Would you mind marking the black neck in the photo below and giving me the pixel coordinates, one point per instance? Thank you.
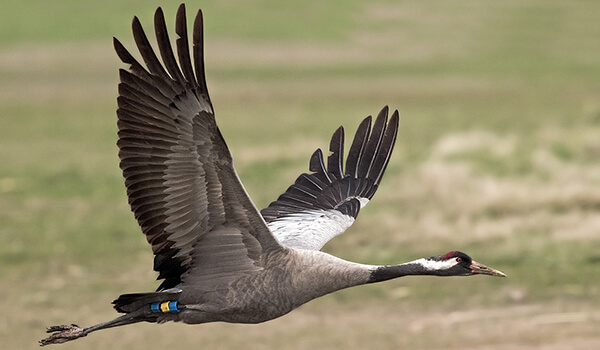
(388, 272)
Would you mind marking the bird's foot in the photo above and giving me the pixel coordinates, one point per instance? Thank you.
(63, 333)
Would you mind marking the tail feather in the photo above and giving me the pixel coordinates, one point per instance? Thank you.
(127, 303)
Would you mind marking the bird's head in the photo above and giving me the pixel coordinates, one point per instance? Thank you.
(457, 263)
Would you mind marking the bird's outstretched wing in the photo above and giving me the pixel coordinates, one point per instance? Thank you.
(180, 179)
(324, 203)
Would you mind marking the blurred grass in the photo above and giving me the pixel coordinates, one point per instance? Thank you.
(497, 156)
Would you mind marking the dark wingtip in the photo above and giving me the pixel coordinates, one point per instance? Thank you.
(385, 110)
(135, 21)
(335, 161)
(316, 161)
(180, 15)
(395, 117)
(383, 114)
(122, 52)
(159, 14)
(358, 143)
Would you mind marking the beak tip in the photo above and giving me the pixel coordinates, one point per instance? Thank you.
(478, 268)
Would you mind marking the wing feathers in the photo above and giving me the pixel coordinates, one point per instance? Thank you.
(330, 193)
(385, 149)
(335, 160)
(182, 187)
(358, 145)
(141, 40)
(183, 50)
(179, 174)
(164, 45)
(365, 164)
(127, 58)
(198, 45)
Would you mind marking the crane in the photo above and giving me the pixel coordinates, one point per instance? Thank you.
(218, 256)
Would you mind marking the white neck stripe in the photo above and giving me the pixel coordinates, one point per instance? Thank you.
(435, 265)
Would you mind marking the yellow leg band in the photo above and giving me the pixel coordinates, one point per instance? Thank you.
(164, 307)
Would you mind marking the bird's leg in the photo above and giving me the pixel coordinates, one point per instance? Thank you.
(64, 333)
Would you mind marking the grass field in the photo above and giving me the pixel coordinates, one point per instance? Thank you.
(498, 156)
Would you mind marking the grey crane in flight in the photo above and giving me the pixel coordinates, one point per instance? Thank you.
(219, 258)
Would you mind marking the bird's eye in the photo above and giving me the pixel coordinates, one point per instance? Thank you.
(458, 260)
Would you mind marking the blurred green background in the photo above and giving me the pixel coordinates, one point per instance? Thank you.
(498, 156)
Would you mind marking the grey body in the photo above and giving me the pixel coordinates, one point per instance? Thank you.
(290, 278)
